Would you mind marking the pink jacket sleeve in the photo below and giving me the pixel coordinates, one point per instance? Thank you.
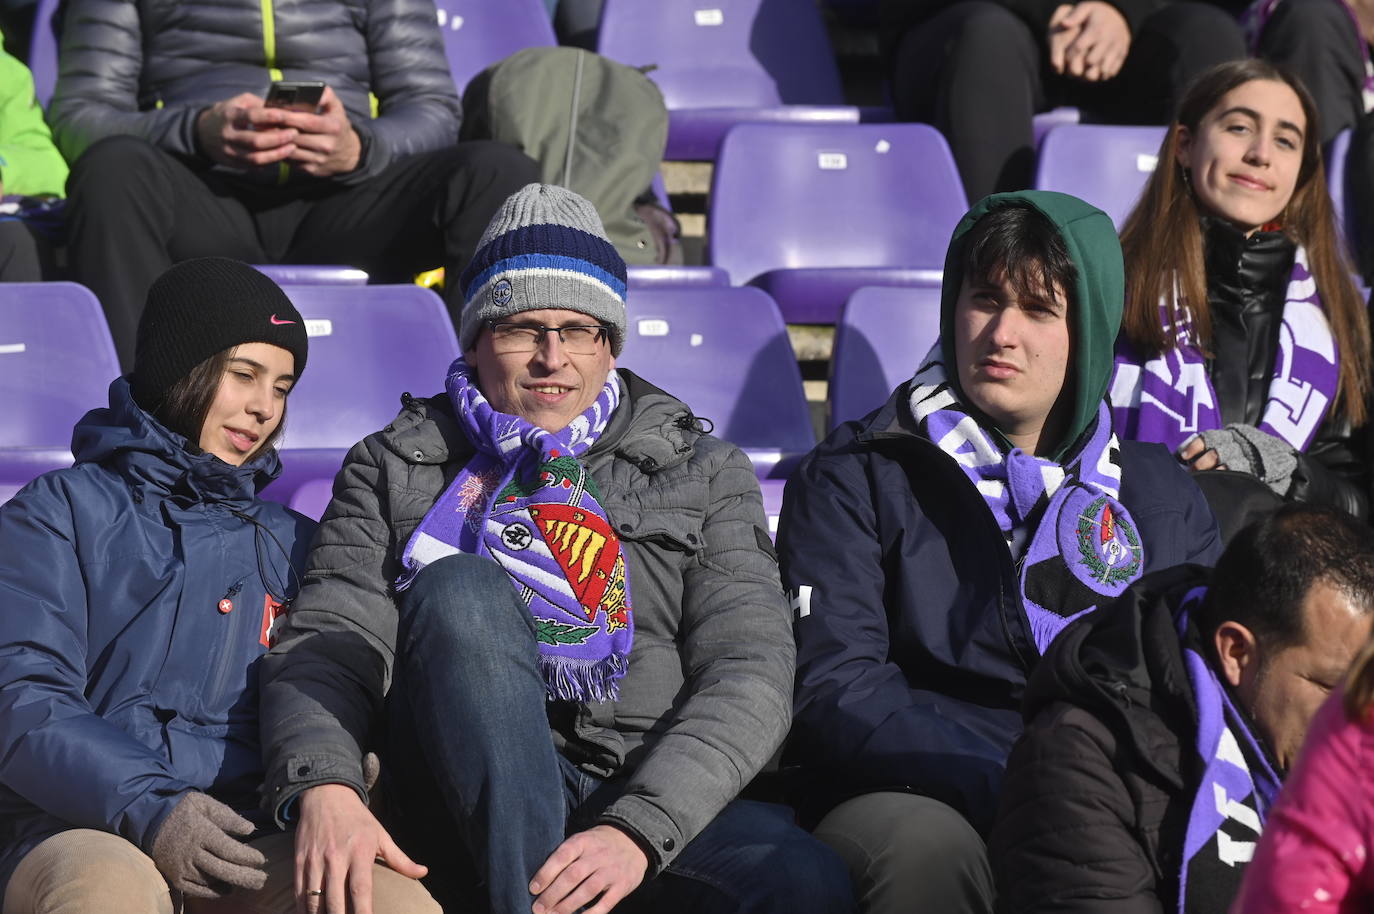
(1314, 856)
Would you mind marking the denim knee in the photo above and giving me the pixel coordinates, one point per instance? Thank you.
(467, 602)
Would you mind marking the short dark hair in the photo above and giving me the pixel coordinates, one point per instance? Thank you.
(1020, 242)
(1266, 571)
(187, 403)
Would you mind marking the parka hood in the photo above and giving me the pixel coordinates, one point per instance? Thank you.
(150, 455)
(1097, 302)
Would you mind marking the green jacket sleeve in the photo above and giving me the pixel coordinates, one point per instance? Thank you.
(29, 162)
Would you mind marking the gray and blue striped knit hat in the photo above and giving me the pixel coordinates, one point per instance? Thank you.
(545, 248)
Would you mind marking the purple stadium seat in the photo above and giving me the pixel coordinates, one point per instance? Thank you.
(1106, 166)
(311, 274)
(478, 33)
(368, 345)
(882, 336)
(1337, 151)
(649, 277)
(724, 351)
(809, 214)
(56, 362)
(43, 51)
(1043, 122)
(728, 62)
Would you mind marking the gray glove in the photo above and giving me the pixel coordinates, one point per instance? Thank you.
(197, 852)
(1248, 450)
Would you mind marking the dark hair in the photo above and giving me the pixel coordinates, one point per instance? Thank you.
(187, 403)
(1162, 239)
(1020, 242)
(1265, 573)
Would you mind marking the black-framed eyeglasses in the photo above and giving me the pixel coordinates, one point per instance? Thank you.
(577, 339)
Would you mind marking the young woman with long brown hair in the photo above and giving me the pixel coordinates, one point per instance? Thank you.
(1245, 344)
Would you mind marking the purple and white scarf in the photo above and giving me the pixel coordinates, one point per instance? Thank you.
(1170, 398)
(1238, 787)
(1079, 546)
(1257, 16)
(527, 502)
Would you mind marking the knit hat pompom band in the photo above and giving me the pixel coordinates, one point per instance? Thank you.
(545, 248)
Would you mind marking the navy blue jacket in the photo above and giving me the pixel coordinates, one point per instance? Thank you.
(912, 645)
(122, 684)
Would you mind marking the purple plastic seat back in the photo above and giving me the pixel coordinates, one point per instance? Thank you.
(368, 345)
(883, 335)
(43, 51)
(652, 275)
(1337, 151)
(478, 33)
(725, 53)
(1106, 166)
(725, 353)
(56, 363)
(859, 195)
(312, 274)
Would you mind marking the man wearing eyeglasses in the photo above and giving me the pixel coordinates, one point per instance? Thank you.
(564, 589)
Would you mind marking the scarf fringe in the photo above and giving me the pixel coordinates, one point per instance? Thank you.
(570, 679)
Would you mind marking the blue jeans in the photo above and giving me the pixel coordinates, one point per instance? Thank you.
(481, 796)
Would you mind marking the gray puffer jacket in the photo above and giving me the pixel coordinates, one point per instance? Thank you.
(708, 694)
(148, 67)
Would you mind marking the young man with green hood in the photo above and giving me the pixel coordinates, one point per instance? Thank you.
(934, 549)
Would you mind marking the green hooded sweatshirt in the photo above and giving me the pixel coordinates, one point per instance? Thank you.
(29, 162)
(1094, 309)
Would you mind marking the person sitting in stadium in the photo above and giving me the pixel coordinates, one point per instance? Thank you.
(1314, 854)
(140, 589)
(937, 546)
(979, 69)
(162, 110)
(1159, 730)
(1245, 345)
(564, 588)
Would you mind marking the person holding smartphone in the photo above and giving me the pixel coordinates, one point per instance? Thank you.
(161, 108)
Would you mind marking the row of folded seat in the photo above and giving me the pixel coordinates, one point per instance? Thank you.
(811, 213)
(722, 349)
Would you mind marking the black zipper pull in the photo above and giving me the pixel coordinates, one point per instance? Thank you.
(226, 604)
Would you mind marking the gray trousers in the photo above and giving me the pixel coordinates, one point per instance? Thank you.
(909, 854)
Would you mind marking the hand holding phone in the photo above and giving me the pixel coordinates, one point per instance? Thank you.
(228, 132)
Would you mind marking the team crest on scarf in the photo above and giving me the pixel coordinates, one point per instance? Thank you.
(527, 502)
(1108, 545)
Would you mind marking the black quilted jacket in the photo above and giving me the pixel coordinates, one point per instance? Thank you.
(148, 67)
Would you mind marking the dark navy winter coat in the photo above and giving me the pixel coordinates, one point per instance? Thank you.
(122, 683)
(912, 645)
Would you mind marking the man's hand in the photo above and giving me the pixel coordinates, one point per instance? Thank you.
(337, 842)
(1088, 40)
(326, 143)
(602, 860)
(236, 133)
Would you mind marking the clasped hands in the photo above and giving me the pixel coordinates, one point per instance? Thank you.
(1088, 40)
(242, 132)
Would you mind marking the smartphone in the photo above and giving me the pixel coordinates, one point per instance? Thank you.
(296, 96)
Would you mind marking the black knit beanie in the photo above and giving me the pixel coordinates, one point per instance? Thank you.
(201, 307)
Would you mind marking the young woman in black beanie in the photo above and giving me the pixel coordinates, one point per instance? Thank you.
(137, 590)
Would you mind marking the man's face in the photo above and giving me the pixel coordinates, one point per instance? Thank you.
(1011, 352)
(1283, 690)
(547, 386)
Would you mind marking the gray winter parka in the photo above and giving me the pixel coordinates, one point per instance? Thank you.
(148, 67)
(708, 694)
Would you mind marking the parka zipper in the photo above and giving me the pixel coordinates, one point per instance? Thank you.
(269, 51)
